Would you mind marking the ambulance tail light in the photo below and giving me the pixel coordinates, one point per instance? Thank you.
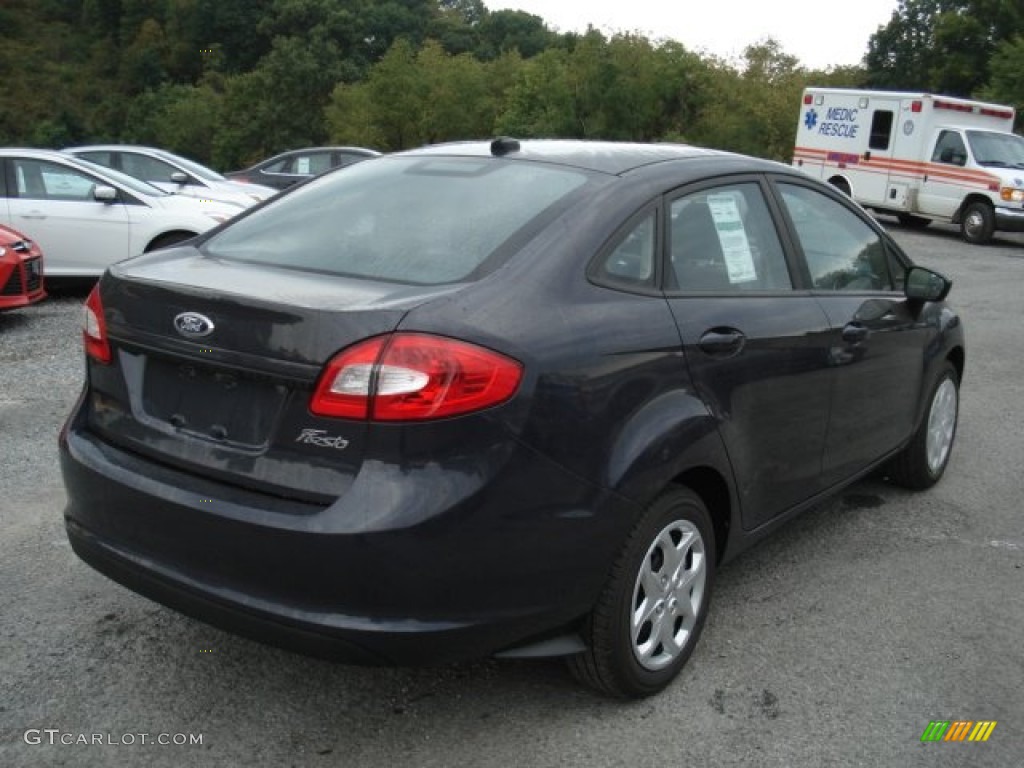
(808, 99)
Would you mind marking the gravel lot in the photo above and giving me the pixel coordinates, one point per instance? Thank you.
(834, 643)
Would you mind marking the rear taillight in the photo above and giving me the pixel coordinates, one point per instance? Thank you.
(414, 377)
(94, 328)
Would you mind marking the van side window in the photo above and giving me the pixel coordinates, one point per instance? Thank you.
(881, 129)
(950, 149)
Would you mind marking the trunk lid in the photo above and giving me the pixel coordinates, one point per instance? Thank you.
(225, 392)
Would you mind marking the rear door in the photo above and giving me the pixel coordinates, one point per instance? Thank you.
(875, 344)
(757, 350)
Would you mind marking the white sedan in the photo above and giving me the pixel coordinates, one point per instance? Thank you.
(85, 217)
(173, 173)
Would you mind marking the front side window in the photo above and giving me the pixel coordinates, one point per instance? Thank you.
(723, 240)
(147, 168)
(842, 251)
(950, 149)
(418, 220)
(42, 180)
(278, 166)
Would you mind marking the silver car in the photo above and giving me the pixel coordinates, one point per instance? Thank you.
(173, 173)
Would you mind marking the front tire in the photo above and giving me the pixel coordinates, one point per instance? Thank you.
(922, 463)
(978, 223)
(649, 617)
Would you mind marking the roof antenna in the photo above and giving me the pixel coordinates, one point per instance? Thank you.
(503, 145)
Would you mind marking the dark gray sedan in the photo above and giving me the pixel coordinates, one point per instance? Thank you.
(500, 398)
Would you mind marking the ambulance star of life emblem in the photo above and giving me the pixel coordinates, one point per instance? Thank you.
(811, 119)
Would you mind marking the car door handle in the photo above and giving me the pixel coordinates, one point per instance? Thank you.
(721, 342)
(33, 215)
(855, 333)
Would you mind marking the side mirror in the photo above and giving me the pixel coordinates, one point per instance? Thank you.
(179, 177)
(925, 285)
(104, 194)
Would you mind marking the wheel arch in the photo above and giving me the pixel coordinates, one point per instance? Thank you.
(958, 358)
(675, 441)
(713, 489)
(841, 183)
(169, 237)
(974, 197)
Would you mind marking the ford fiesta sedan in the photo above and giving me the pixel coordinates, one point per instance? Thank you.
(501, 398)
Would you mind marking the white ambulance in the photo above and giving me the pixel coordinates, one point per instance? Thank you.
(921, 157)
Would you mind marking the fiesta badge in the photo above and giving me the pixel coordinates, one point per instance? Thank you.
(193, 325)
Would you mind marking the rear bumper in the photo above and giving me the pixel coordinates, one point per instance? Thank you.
(463, 578)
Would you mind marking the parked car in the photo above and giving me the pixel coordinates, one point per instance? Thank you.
(21, 270)
(281, 171)
(500, 398)
(173, 173)
(85, 217)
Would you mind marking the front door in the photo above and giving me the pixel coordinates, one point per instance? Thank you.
(874, 340)
(53, 204)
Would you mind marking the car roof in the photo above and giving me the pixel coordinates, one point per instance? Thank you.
(610, 157)
(358, 150)
(116, 148)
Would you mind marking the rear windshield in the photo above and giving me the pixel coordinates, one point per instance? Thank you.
(426, 221)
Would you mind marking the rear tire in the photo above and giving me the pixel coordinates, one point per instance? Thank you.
(649, 617)
(921, 464)
(978, 223)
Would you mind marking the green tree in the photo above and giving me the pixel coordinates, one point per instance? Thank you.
(941, 45)
(540, 103)
(1007, 83)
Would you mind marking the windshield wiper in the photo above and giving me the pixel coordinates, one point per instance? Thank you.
(996, 163)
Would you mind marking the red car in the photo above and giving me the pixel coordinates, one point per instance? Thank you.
(21, 270)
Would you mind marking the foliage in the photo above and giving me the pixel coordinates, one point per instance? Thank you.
(231, 81)
(944, 46)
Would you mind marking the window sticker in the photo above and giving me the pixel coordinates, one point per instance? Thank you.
(303, 165)
(739, 259)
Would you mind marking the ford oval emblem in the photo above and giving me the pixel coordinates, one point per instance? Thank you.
(193, 325)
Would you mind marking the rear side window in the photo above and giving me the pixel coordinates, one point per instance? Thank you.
(842, 252)
(417, 220)
(881, 129)
(630, 263)
(723, 240)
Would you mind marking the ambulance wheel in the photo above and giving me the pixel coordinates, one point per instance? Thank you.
(978, 222)
(910, 221)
